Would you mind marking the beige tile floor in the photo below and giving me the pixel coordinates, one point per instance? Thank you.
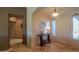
(56, 47)
(19, 48)
(52, 47)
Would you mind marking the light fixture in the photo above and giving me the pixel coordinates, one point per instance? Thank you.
(55, 13)
(13, 19)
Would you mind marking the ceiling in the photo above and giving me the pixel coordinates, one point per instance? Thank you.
(47, 11)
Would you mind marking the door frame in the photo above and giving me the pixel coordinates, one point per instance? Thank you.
(14, 15)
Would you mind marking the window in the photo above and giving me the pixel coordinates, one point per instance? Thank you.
(54, 26)
(47, 28)
(76, 27)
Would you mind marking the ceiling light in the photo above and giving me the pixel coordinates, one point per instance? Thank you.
(55, 13)
(12, 19)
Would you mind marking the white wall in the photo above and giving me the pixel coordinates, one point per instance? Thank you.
(30, 11)
(65, 27)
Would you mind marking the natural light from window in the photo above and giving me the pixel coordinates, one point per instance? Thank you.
(47, 28)
(76, 27)
(54, 27)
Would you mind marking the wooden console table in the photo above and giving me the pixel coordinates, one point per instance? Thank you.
(42, 40)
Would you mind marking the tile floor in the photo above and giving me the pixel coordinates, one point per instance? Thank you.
(56, 47)
(52, 47)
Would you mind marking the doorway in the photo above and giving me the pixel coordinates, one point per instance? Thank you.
(15, 30)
